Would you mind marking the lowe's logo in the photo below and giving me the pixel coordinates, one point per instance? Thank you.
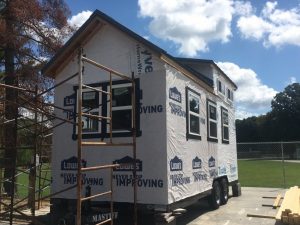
(71, 163)
(197, 163)
(174, 94)
(69, 100)
(127, 164)
(211, 162)
(175, 164)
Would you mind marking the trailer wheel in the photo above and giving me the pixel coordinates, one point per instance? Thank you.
(215, 197)
(224, 191)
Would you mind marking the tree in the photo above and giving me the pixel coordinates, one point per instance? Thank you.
(280, 124)
(30, 32)
(285, 112)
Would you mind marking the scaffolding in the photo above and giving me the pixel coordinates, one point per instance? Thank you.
(41, 127)
(99, 144)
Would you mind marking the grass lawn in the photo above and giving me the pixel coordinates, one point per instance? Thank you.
(267, 173)
(22, 180)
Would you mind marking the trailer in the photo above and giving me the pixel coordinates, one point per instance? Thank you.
(184, 126)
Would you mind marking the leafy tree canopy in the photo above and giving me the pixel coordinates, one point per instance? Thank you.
(280, 124)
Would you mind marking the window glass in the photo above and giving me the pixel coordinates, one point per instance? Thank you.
(89, 124)
(212, 120)
(121, 96)
(90, 99)
(230, 94)
(121, 108)
(212, 112)
(194, 124)
(221, 87)
(225, 126)
(90, 105)
(194, 103)
(193, 114)
(212, 129)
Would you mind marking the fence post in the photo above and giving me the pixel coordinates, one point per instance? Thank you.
(283, 166)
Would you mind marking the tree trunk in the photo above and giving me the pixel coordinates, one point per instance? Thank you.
(11, 112)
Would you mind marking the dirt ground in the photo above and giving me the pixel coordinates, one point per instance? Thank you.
(236, 210)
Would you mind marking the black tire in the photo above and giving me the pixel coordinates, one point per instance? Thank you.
(236, 189)
(224, 191)
(215, 197)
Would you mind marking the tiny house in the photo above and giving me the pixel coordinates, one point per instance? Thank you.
(185, 122)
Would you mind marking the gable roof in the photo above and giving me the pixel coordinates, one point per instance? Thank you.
(206, 61)
(89, 28)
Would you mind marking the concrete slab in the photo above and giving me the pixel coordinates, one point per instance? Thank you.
(236, 210)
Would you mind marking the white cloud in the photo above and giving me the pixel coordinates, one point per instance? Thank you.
(242, 113)
(252, 97)
(243, 8)
(291, 80)
(191, 24)
(77, 20)
(275, 27)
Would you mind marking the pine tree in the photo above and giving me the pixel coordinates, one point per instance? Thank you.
(31, 31)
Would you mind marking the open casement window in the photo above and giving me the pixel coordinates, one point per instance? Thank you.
(121, 108)
(221, 87)
(225, 125)
(193, 114)
(212, 128)
(90, 104)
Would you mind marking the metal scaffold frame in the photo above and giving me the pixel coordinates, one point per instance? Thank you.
(41, 117)
(99, 144)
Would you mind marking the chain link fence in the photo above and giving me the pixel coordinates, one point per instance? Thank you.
(269, 164)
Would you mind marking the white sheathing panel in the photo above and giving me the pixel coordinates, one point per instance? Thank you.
(186, 179)
(115, 49)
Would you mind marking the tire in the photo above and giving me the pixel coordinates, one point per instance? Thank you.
(215, 197)
(236, 189)
(224, 191)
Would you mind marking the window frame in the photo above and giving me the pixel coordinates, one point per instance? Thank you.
(223, 125)
(103, 111)
(118, 108)
(94, 110)
(229, 95)
(222, 91)
(213, 104)
(189, 134)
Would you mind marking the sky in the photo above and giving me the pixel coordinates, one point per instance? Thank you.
(256, 43)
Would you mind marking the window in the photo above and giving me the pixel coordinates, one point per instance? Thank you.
(212, 131)
(229, 95)
(97, 103)
(90, 104)
(221, 87)
(193, 114)
(225, 125)
(121, 108)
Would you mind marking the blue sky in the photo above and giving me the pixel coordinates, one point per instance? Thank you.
(257, 43)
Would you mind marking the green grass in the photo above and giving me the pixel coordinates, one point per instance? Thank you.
(22, 180)
(266, 173)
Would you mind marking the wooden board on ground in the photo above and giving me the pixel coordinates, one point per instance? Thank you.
(289, 211)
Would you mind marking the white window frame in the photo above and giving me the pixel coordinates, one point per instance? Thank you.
(196, 95)
(223, 110)
(223, 90)
(209, 119)
(118, 108)
(95, 110)
(229, 95)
